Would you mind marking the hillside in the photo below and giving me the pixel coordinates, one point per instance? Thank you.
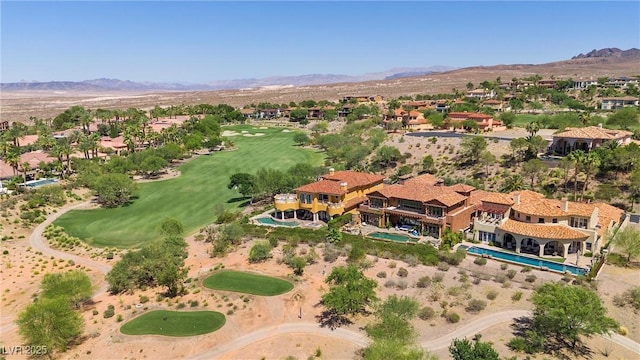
(22, 104)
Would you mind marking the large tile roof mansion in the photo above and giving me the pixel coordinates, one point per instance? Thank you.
(524, 221)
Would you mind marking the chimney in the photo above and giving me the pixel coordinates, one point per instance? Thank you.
(516, 198)
(343, 186)
(600, 125)
(332, 171)
(564, 205)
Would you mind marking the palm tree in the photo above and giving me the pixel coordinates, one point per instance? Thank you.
(514, 182)
(16, 131)
(13, 159)
(25, 167)
(590, 164)
(585, 117)
(46, 141)
(533, 127)
(576, 157)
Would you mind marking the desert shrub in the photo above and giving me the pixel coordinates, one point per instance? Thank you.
(438, 277)
(95, 312)
(119, 318)
(455, 291)
(525, 269)
(630, 297)
(389, 283)
(504, 266)
(426, 313)
(443, 266)
(500, 278)
(480, 261)
(392, 265)
(530, 278)
(516, 296)
(181, 306)
(511, 274)
(330, 253)
(402, 272)
(476, 281)
(475, 306)
(401, 285)
(617, 260)
(532, 343)
(452, 317)
(411, 260)
(622, 330)
(110, 312)
(452, 258)
(381, 274)
(273, 241)
(423, 282)
(492, 294)
(143, 299)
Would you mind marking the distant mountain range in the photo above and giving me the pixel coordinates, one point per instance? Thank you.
(610, 52)
(302, 80)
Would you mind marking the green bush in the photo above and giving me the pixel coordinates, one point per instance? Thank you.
(340, 221)
(516, 296)
(452, 317)
(260, 252)
(110, 312)
(402, 272)
(530, 278)
(144, 299)
(443, 266)
(475, 306)
(452, 258)
(381, 274)
(511, 274)
(426, 313)
(480, 261)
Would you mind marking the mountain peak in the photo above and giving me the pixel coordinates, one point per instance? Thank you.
(610, 52)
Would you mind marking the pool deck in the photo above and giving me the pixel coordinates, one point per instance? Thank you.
(583, 262)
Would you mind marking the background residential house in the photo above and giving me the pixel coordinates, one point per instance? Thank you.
(615, 103)
(587, 138)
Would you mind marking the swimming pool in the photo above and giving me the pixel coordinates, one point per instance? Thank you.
(525, 260)
(269, 221)
(392, 237)
(41, 182)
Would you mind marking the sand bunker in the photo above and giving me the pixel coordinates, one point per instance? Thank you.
(263, 127)
(229, 133)
(286, 130)
(244, 131)
(256, 134)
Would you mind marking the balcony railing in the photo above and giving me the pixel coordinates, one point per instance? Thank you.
(286, 198)
(335, 205)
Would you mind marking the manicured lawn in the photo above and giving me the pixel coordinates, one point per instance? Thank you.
(191, 197)
(523, 119)
(174, 323)
(247, 283)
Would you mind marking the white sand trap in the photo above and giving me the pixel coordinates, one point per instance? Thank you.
(286, 130)
(229, 133)
(249, 135)
(258, 134)
(263, 127)
(244, 131)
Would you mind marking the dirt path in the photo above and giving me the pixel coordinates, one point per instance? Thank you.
(38, 243)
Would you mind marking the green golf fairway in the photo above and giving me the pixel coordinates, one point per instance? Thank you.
(190, 197)
(247, 283)
(174, 323)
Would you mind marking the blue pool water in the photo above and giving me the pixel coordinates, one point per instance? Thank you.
(526, 260)
(271, 222)
(37, 183)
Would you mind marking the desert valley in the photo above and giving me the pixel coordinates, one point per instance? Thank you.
(478, 213)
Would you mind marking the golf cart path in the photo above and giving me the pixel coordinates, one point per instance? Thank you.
(38, 243)
(361, 339)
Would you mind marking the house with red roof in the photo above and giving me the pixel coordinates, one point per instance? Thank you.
(587, 139)
(485, 122)
(336, 193)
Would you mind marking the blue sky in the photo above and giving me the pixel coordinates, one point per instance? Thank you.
(206, 41)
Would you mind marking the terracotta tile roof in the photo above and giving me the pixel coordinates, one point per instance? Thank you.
(423, 180)
(592, 132)
(422, 194)
(607, 214)
(354, 178)
(114, 143)
(627, 98)
(468, 115)
(247, 111)
(323, 186)
(497, 198)
(28, 140)
(461, 188)
(354, 202)
(533, 203)
(543, 231)
(493, 102)
(476, 197)
(33, 158)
